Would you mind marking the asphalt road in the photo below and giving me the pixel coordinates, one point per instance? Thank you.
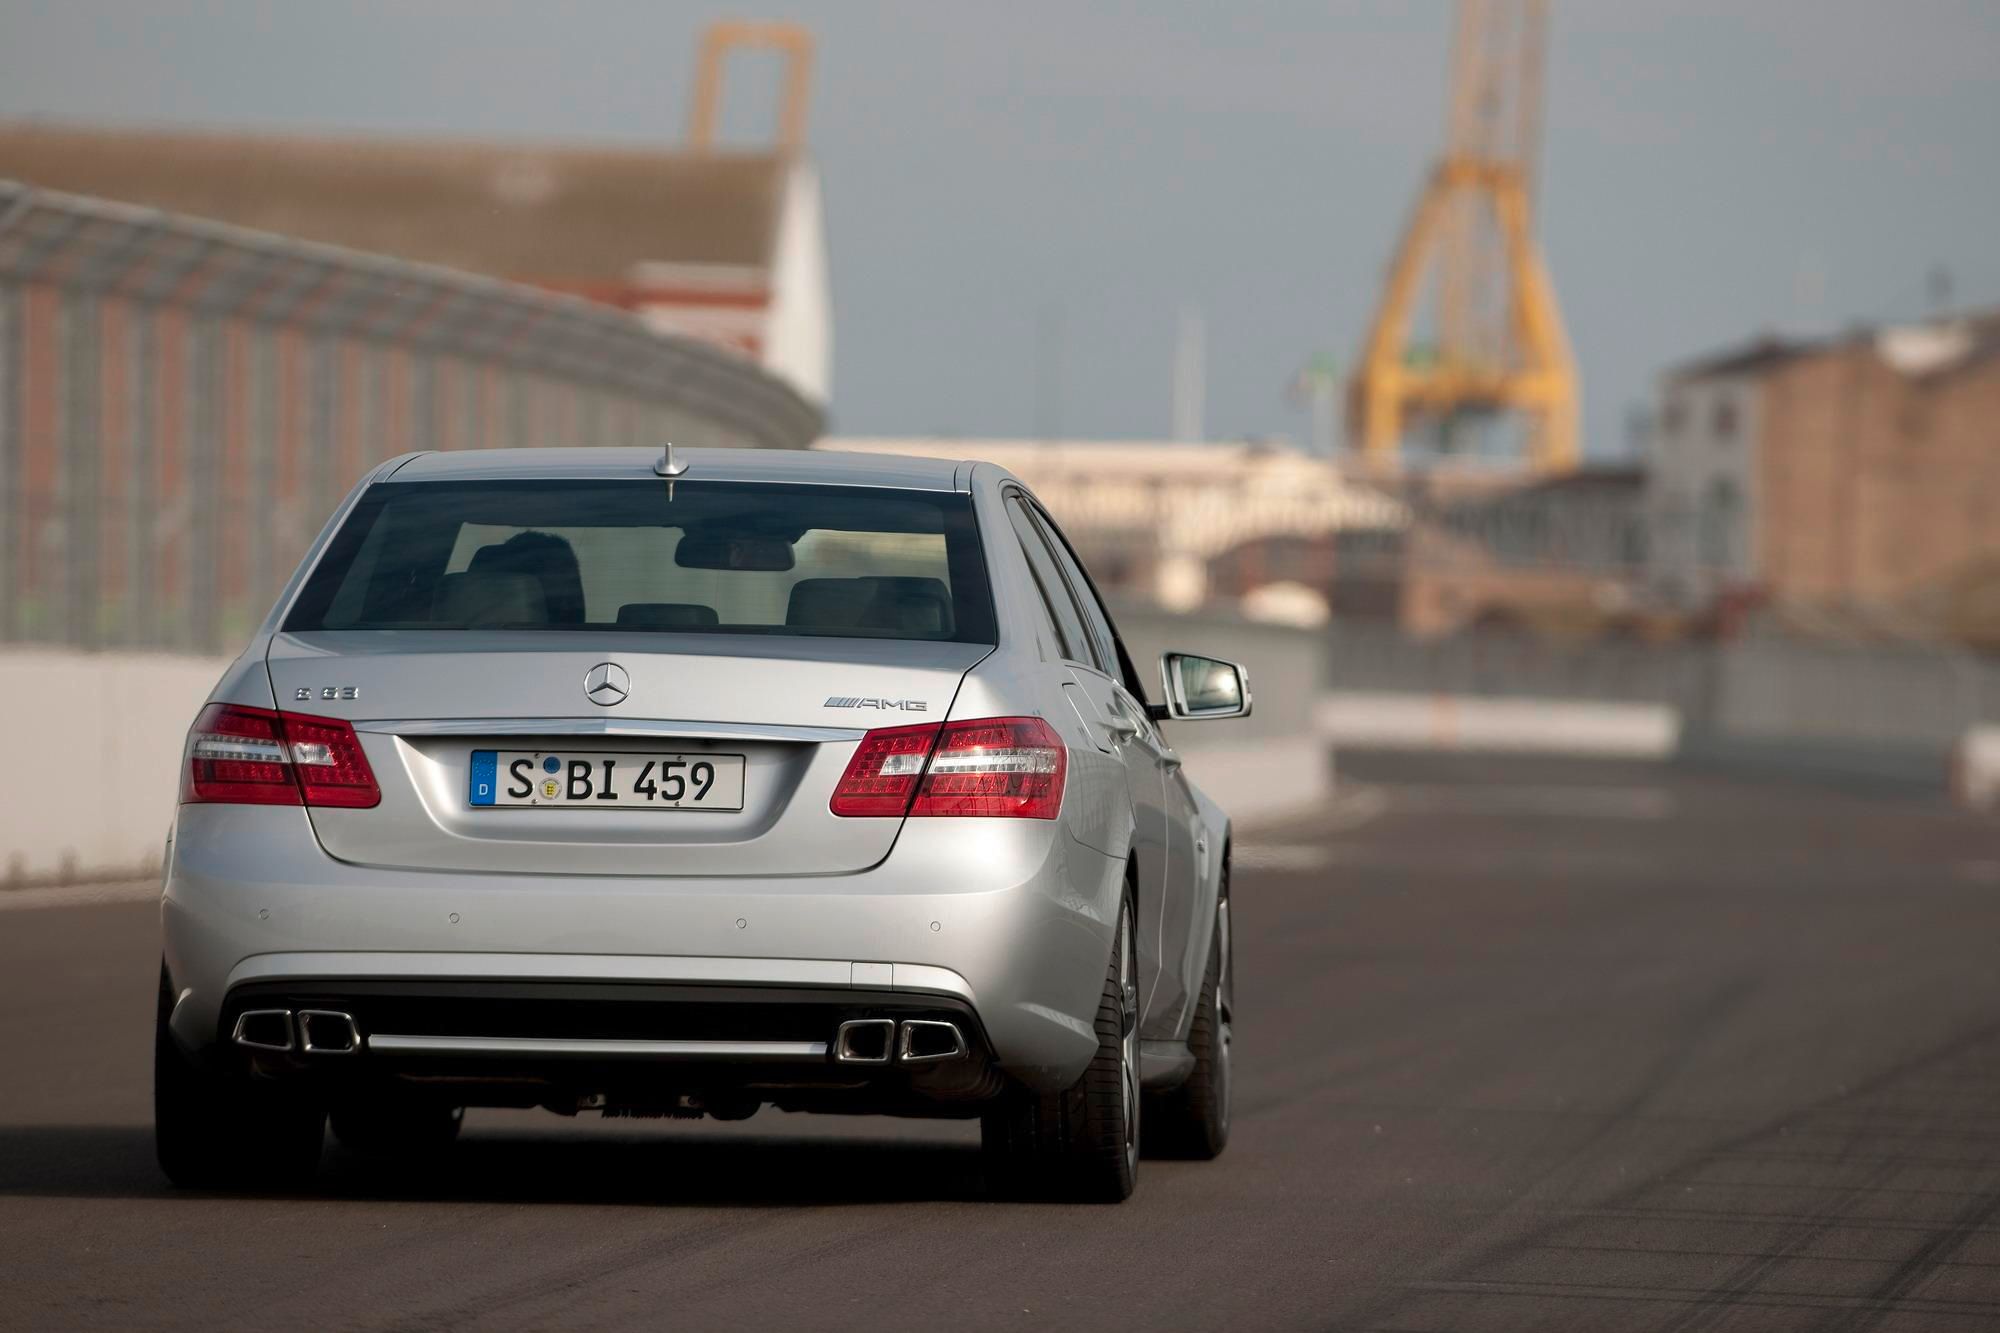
(1551, 1046)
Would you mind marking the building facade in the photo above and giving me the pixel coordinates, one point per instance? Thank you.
(1177, 523)
(1860, 474)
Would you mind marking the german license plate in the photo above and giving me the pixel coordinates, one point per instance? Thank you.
(606, 780)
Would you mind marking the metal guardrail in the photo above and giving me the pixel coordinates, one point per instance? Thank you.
(182, 402)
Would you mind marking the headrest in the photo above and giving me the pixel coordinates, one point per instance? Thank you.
(474, 598)
(667, 615)
(913, 606)
(549, 559)
(828, 603)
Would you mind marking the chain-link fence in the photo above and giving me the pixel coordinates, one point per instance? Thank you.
(182, 403)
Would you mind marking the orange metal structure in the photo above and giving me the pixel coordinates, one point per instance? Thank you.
(793, 41)
(1499, 340)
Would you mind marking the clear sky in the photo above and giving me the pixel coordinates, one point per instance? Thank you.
(1714, 168)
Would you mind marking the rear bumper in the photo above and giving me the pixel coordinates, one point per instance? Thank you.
(622, 1046)
(1008, 921)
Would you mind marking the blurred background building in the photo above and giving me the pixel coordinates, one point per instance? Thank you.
(1188, 526)
(1853, 483)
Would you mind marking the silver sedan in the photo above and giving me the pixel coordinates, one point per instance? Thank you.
(685, 784)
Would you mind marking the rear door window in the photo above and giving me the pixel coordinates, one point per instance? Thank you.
(1071, 637)
(622, 555)
(1094, 618)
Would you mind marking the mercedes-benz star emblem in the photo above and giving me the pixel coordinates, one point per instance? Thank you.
(606, 684)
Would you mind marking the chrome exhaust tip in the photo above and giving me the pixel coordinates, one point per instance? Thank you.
(328, 1032)
(926, 1040)
(865, 1041)
(263, 1029)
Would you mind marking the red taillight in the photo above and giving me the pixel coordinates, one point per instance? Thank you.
(995, 766)
(238, 756)
(254, 756)
(991, 767)
(883, 774)
(327, 760)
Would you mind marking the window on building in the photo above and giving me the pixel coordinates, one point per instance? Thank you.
(1721, 520)
(1673, 417)
(1722, 419)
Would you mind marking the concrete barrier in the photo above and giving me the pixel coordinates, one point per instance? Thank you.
(96, 740)
(1375, 720)
(1975, 769)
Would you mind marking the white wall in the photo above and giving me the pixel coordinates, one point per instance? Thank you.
(96, 744)
(798, 336)
(1379, 720)
(1976, 768)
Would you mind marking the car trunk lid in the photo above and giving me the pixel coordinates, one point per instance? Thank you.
(793, 707)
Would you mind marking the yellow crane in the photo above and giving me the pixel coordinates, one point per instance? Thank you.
(790, 40)
(1499, 345)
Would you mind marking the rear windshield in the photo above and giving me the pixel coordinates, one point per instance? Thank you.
(703, 558)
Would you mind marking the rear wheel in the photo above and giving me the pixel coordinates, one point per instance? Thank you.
(1192, 1120)
(223, 1130)
(1083, 1142)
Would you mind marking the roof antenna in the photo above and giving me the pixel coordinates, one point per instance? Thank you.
(670, 467)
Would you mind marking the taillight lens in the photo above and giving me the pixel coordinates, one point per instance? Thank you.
(988, 767)
(883, 774)
(995, 766)
(238, 756)
(327, 761)
(254, 756)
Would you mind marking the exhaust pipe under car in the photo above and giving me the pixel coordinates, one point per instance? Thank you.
(914, 1041)
(925, 1040)
(328, 1032)
(865, 1041)
(263, 1029)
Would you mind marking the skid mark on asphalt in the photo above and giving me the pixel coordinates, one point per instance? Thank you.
(1861, 1211)
(1551, 801)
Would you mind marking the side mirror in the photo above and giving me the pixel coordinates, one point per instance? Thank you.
(1203, 688)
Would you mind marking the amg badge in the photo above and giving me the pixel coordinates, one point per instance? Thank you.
(852, 701)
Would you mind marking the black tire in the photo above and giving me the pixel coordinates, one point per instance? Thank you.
(1081, 1143)
(1191, 1122)
(392, 1126)
(226, 1130)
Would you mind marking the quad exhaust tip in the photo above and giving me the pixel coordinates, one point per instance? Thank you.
(263, 1029)
(318, 1031)
(924, 1040)
(865, 1041)
(914, 1041)
(328, 1032)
